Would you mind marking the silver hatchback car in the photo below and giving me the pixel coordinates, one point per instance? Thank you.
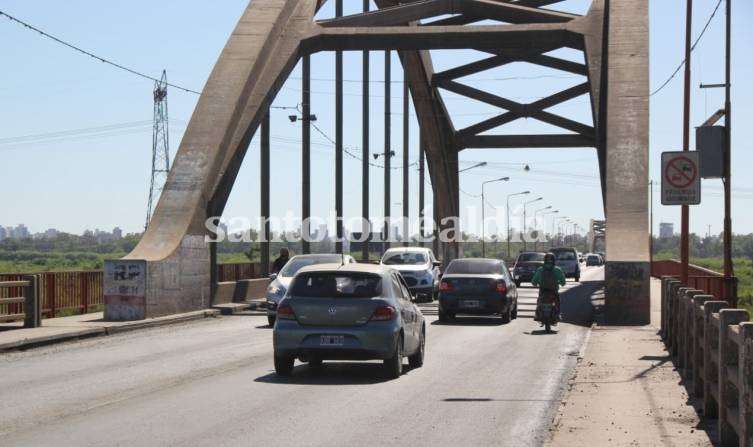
(348, 312)
(281, 281)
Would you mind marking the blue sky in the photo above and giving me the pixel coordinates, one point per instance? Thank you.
(75, 134)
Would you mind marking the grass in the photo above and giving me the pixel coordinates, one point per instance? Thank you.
(743, 271)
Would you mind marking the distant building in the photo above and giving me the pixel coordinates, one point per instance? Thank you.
(666, 230)
(21, 232)
(3, 233)
(117, 233)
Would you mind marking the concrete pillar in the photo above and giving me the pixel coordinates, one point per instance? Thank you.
(728, 356)
(710, 368)
(627, 270)
(698, 339)
(746, 384)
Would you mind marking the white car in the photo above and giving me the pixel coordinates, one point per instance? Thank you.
(418, 267)
(281, 281)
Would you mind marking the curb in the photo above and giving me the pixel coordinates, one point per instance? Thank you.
(570, 380)
(52, 339)
(76, 334)
(162, 321)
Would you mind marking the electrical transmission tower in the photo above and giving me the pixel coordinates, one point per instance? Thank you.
(160, 146)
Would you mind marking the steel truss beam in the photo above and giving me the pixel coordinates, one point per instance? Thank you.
(273, 35)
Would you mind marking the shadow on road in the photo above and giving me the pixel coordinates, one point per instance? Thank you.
(462, 320)
(542, 332)
(577, 305)
(333, 373)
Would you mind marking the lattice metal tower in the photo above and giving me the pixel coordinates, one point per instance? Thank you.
(160, 146)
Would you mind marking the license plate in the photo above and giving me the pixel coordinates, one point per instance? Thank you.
(331, 340)
(470, 303)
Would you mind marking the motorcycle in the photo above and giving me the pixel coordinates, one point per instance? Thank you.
(546, 311)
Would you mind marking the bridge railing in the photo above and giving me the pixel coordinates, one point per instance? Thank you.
(19, 300)
(712, 345)
(66, 293)
(713, 283)
(80, 292)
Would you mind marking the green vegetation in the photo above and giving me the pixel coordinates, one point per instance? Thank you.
(708, 253)
(743, 270)
(65, 252)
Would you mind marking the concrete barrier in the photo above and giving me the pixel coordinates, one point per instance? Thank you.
(713, 348)
(242, 290)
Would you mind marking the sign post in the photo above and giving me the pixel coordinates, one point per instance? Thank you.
(680, 179)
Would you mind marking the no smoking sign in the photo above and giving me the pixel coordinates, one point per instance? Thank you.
(680, 180)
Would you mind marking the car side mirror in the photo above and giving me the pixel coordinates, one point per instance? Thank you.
(436, 263)
(273, 276)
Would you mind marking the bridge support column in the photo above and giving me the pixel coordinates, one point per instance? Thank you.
(627, 270)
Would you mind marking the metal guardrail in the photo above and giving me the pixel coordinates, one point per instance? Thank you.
(20, 301)
(713, 348)
(67, 292)
(713, 283)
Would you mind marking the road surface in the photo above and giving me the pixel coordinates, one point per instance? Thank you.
(212, 383)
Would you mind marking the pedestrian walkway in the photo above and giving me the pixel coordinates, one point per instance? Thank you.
(626, 392)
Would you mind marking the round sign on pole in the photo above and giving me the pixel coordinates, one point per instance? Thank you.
(680, 183)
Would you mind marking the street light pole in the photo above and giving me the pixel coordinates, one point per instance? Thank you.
(477, 165)
(558, 228)
(549, 212)
(535, 243)
(508, 217)
(483, 215)
(525, 223)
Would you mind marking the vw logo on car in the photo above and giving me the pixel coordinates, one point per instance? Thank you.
(332, 311)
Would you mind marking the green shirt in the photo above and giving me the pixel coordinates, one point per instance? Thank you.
(558, 275)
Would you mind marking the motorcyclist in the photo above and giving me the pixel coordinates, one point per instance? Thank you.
(549, 277)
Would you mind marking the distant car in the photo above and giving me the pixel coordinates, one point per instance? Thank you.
(419, 268)
(526, 265)
(348, 312)
(477, 286)
(281, 281)
(566, 259)
(593, 260)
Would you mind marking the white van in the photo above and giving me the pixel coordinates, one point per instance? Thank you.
(566, 259)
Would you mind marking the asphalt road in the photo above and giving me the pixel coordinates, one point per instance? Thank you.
(212, 383)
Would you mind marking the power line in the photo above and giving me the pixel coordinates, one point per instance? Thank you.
(101, 59)
(691, 49)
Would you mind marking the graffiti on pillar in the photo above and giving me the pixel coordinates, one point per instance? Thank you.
(125, 290)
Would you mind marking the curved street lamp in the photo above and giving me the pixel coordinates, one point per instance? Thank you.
(535, 242)
(508, 217)
(483, 216)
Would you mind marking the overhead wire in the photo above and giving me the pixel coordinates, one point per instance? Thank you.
(713, 13)
(92, 55)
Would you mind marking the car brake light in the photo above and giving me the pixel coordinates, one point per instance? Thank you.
(285, 312)
(445, 286)
(383, 313)
(501, 287)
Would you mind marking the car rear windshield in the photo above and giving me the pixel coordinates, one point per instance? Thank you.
(531, 257)
(295, 264)
(564, 255)
(405, 258)
(336, 285)
(481, 267)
